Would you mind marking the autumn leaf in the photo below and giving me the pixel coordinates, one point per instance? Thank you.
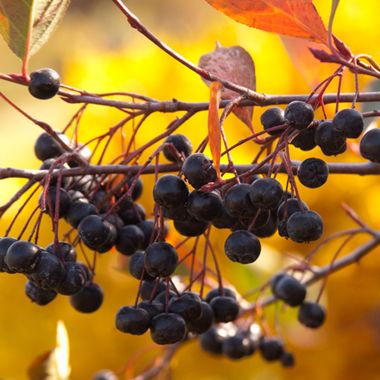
(26, 25)
(235, 65)
(296, 18)
(214, 133)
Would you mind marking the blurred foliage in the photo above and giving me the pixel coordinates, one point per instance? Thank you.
(95, 49)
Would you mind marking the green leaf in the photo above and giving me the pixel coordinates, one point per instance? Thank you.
(19, 17)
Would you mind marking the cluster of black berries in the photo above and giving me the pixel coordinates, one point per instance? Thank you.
(293, 293)
(51, 271)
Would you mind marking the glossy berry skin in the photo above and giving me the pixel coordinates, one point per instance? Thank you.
(226, 292)
(78, 211)
(272, 117)
(161, 259)
(131, 213)
(49, 271)
(313, 172)
(149, 289)
(51, 202)
(290, 290)
(299, 114)
(311, 315)
(204, 321)
(370, 145)
(225, 309)
(266, 193)
(95, 232)
(38, 295)
(22, 257)
(167, 328)
(44, 83)
(350, 122)
(152, 308)
(129, 240)
(268, 228)
(191, 227)
(242, 246)
(64, 251)
(285, 210)
(74, 280)
(170, 191)
(136, 266)
(47, 147)
(211, 341)
(181, 143)
(304, 226)
(237, 201)
(88, 299)
(188, 305)
(132, 320)
(198, 170)
(204, 206)
(5, 243)
(305, 140)
(271, 348)
(331, 141)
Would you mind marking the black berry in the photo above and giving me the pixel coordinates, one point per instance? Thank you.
(350, 122)
(181, 144)
(266, 193)
(225, 309)
(313, 172)
(132, 320)
(273, 117)
(331, 141)
(129, 240)
(88, 299)
(242, 246)
(170, 191)
(38, 295)
(44, 83)
(311, 315)
(299, 114)
(290, 290)
(167, 328)
(304, 226)
(370, 145)
(161, 259)
(22, 256)
(204, 206)
(198, 170)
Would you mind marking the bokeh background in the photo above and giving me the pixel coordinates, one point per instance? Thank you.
(95, 49)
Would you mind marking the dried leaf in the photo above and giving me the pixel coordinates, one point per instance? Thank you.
(342, 48)
(214, 133)
(296, 18)
(41, 17)
(54, 364)
(235, 65)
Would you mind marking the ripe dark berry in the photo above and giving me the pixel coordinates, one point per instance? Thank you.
(132, 320)
(49, 271)
(224, 220)
(299, 114)
(287, 360)
(95, 232)
(190, 227)
(38, 295)
(305, 140)
(311, 315)
(131, 213)
(138, 189)
(204, 321)
(211, 341)
(76, 276)
(225, 309)
(198, 170)
(149, 289)
(22, 256)
(129, 240)
(272, 117)
(5, 243)
(148, 228)
(305, 226)
(271, 348)
(136, 266)
(152, 308)
(331, 141)
(170, 191)
(64, 251)
(290, 290)
(350, 122)
(370, 145)
(88, 299)
(285, 210)
(168, 328)
(236, 347)
(237, 201)
(226, 292)
(78, 211)
(44, 83)
(46, 146)
(161, 259)
(181, 143)
(188, 305)
(242, 246)
(313, 172)
(267, 229)
(176, 213)
(204, 206)
(266, 193)
(165, 296)
(51, 202)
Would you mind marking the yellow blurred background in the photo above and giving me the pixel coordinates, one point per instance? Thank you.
(94, 49)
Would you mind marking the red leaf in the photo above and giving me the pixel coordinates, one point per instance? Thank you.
(214, 135)
(296, 18)
(235, 65)
(323, 55)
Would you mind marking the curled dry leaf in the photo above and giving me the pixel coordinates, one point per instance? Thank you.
(296, 18)
(235, 65)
